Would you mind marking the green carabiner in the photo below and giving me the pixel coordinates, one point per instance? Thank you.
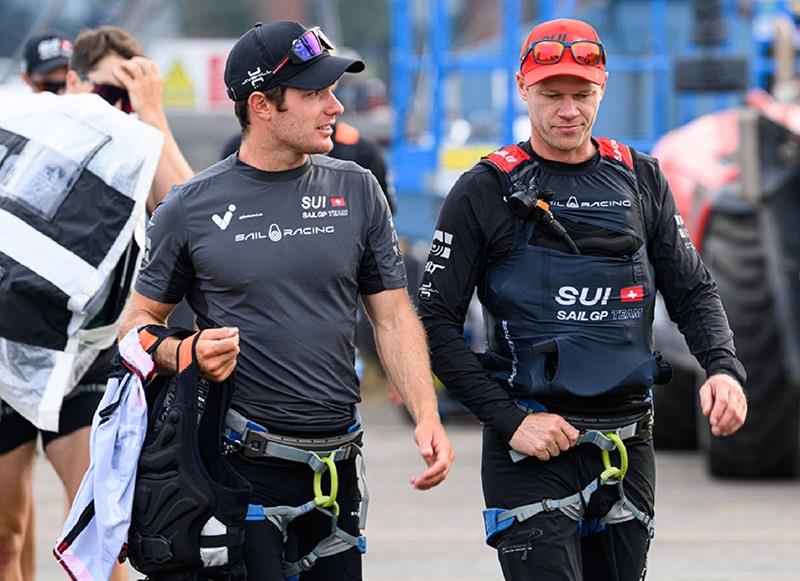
(327, 500)
(612, 471)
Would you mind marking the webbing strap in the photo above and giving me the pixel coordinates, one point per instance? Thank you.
(311, 459)
(337, 542)
(573, 505)
(624, 510)
(258, 441)
(570, 505)
(599, 438)
(239, 429)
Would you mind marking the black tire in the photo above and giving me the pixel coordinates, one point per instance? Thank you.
(768, 445)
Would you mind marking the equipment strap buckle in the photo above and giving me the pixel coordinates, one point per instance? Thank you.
(549, 505)
(307, 561)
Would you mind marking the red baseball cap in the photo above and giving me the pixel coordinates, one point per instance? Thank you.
(565, 30)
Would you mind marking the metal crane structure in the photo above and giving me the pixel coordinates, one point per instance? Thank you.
(669, 61)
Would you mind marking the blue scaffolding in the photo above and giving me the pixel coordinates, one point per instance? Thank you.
(642, 77)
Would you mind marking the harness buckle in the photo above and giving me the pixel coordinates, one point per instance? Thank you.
(549, 505)
(307, 562)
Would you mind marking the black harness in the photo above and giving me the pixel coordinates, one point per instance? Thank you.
(189, 505)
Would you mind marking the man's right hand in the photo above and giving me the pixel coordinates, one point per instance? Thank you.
(216, 353)
(142, 79)
(544, 435)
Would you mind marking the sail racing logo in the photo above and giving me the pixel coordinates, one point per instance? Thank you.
(276, 234)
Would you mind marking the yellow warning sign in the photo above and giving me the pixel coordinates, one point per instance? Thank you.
(464, 157)
(178, 88)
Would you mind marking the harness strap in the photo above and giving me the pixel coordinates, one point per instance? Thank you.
(624, 510)
(232, 538)
(601, 439)
(255, 440)
(337, 542)
(573, 506)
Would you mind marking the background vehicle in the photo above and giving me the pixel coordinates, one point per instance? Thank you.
(736, 180)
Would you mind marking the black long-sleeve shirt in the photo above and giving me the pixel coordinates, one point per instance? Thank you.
(476, 228)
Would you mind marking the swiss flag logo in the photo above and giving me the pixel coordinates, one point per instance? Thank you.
(338, 202)
(631, 294)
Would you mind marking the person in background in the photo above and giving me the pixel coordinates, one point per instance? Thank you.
(45, 62)
(107, 61)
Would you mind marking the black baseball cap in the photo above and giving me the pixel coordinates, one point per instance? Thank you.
(44, 53)
(264, 47)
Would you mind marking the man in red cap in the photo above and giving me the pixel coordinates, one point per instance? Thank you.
(567, 238)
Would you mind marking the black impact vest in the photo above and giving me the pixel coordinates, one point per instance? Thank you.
(559, 322)
(189, 505)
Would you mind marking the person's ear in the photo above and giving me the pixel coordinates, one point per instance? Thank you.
(260, 106)
(28, 80)
(521, 88)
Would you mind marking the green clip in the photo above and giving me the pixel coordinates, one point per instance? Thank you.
(612, 471)
(329, 500)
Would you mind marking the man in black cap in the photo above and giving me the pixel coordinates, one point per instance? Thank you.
(272, 249)
(44, 64)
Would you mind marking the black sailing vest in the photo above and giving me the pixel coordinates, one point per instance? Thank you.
(189, 505)
(559, 322)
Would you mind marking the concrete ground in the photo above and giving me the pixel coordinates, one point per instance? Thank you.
(707, 530)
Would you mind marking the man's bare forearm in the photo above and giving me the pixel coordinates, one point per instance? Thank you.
(404, 353)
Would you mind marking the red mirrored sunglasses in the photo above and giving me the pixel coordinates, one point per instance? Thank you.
(549, 52)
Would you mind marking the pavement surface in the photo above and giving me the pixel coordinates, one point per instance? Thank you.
(707, 530)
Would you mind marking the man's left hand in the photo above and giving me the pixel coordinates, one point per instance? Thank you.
(723, 401)
(435, 449)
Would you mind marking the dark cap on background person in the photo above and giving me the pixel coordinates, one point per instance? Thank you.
(564, 30)
(44, 53)
(283, 53)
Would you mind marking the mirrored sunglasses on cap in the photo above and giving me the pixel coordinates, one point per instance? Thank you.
(309, 45)
(549, 52)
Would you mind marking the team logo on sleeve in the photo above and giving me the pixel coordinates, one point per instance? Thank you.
(426, 291)
(148, 245)
(683, 232)
(441, 244)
